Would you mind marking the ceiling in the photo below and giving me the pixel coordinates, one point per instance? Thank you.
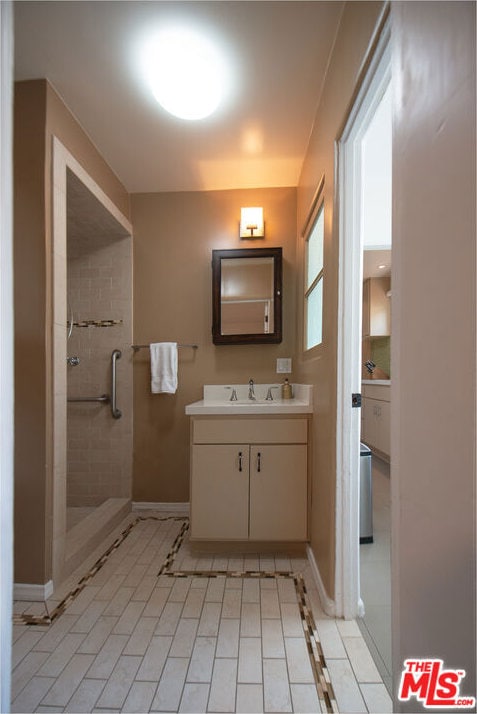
(377, 263)
(278, 52)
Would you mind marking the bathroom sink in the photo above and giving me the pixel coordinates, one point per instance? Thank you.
(216, 400)
(384, 382)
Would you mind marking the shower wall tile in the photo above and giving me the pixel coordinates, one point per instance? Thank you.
(100, 447)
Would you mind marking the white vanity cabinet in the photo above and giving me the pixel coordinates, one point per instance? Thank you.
(249, 479)
(376, 418)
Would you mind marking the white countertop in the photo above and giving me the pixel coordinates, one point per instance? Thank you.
(278, 406)
(301, 403)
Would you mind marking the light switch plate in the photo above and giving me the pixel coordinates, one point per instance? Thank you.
(284, 365)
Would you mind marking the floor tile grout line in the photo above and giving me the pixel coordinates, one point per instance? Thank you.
(320, 672)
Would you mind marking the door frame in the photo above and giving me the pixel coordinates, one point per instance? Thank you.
(6, 350)
(376, 77)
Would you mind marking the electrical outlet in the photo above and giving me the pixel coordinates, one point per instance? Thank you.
(284, 365)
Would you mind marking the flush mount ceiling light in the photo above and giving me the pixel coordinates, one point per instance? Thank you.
(186, 73)
(251, 222)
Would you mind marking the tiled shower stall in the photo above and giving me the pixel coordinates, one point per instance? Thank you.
(99, 314)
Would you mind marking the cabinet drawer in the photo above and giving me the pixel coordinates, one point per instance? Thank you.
(252, 431)
(377, 391)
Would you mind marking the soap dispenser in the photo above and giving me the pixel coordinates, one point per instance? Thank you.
(286, 390)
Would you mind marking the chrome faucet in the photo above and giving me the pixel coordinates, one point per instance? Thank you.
(233, 396)
(251, 391)
(370, 366)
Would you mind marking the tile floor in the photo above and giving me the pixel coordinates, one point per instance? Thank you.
(148, 626)
(375, 567)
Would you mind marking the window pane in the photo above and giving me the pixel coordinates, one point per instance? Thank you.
(315, 316)
(315, 248)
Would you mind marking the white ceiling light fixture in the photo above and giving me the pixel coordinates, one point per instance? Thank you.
(186, 73)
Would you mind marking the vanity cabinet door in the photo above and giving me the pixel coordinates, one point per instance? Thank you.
(376, 425)
(278, 492)
(220, 491)
(384, 428)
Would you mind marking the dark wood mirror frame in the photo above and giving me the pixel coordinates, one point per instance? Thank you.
(271, 337)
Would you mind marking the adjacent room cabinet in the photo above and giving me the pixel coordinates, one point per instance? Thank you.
(249, 479)
(376, 423)
(376, 307)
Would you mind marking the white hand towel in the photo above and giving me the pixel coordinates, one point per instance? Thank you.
(163, 367)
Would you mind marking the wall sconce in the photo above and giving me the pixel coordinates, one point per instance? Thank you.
(251, 223)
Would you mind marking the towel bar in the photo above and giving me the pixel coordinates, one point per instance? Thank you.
(140, 347)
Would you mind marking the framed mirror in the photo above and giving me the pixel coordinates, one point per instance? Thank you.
(247, 296)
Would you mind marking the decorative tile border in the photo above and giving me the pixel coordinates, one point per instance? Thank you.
(26, 619)
(96, 323)
(315, 652)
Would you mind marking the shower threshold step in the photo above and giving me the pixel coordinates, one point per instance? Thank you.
(86, 535)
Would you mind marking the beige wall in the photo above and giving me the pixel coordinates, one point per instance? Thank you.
(174, 235)
(39, 114)
(355, 33)
(30, 358)
(434, 348)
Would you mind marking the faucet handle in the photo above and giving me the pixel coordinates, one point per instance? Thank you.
(233, 396)
(269, 397)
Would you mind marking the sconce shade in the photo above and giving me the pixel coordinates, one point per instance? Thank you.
(251, 222)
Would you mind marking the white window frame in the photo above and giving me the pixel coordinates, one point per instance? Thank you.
(317, 208)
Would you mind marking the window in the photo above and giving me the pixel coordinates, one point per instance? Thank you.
(314, 282)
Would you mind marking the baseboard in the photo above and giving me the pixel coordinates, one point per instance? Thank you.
(27, 592)
(162, 507)
(327, 603)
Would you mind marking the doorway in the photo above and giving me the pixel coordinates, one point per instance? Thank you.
(364, 155)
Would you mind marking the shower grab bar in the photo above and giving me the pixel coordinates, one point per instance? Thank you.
(105, 398)
(115, 412)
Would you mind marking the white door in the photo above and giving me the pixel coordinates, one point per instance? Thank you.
(350, 169)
